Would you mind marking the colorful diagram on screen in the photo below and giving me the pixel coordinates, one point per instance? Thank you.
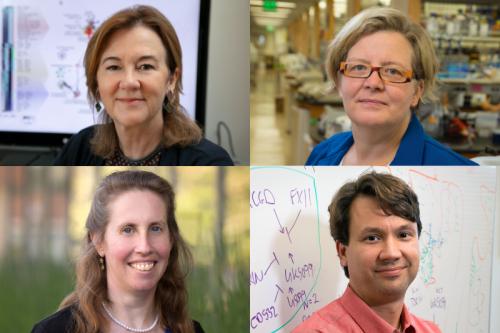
(42, 47)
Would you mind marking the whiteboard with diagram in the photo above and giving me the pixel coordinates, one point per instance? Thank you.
(294, 269)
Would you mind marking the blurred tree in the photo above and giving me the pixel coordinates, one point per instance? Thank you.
(220, 218)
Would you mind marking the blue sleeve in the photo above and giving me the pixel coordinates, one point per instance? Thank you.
(314, 156)
(331, 150)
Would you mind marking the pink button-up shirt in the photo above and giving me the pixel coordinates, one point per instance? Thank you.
(350, 314)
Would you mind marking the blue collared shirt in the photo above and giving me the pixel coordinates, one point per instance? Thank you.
(416, 148)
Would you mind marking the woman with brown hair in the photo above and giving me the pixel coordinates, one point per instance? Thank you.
(133, 65)
(131, 273)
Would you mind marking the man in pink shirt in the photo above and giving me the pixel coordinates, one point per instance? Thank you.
(375, 222)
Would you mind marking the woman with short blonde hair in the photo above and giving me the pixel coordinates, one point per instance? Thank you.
(380, 105)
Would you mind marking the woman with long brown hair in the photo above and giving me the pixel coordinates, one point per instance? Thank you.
(131, 273)
(133, 65)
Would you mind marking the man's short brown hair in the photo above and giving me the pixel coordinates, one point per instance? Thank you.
(392, 195)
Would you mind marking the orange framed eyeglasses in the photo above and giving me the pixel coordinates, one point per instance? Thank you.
(387, 73)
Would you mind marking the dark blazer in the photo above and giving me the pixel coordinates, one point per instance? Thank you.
(77, 152)
(62, 322)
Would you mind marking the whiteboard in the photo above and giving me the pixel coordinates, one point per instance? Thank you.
(495, 281)
(294, 269)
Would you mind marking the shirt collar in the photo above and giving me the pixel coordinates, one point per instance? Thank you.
(367, 319)
(408, 321)
(411, 148)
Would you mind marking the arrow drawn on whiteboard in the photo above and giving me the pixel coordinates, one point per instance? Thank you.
(291, 257)
(275, 259)
(279, 289)
(256, 277)
(293, 225)
(282, 230)
(288, 231)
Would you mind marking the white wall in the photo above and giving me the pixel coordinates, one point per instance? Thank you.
(228, 77)
(495, 279)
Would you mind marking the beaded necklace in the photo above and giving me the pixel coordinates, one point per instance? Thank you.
(128, 328)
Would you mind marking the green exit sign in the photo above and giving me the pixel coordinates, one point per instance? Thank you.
(269, 5)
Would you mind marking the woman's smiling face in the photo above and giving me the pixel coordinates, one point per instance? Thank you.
(136, 243)
(133, 77)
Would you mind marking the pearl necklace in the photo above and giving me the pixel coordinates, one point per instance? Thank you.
(128, 328)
